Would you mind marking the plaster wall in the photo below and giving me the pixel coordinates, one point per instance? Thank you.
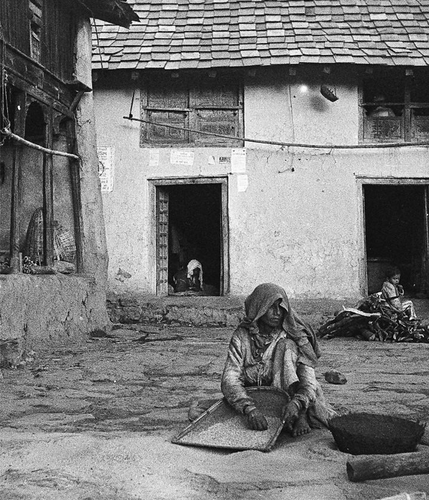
(298, 222)
(290, 108)
(43, 311)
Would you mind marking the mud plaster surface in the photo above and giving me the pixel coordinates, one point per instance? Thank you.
(95, 421)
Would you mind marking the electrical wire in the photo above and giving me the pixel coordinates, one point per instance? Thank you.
(94, 25)
(3, 75)
(285, 144)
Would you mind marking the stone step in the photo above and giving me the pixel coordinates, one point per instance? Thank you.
(202, 310)
(184, 310)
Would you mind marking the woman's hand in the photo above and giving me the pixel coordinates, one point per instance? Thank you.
(290, 415)
(256, 420)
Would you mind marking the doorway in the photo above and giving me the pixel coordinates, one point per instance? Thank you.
(192, 225)
(396, 234)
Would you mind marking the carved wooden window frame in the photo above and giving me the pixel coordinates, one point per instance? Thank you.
(195, 102)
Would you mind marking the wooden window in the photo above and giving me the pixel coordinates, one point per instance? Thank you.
(36, 22)
(395, 105)
(210, 105)
(44, 30)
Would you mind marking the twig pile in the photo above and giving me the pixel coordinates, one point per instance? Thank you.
(372, 319)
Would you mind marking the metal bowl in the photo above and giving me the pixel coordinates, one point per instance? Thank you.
(369, 434)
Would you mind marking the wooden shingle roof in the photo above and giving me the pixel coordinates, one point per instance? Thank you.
(198, 34)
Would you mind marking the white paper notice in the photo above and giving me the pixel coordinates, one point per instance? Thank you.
(179, 157)
(153, 157)
(242, 183)
(238, 161)
(105, 167)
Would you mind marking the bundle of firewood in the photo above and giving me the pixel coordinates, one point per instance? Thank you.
(371, 319)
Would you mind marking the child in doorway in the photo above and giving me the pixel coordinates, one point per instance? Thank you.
(392, 292)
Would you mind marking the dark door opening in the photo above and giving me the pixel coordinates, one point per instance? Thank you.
(396, 234)
(194, 231)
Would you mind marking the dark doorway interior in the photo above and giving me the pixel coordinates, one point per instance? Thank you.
(396, 234)
(195, 231)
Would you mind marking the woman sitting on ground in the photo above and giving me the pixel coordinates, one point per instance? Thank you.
(272, 346)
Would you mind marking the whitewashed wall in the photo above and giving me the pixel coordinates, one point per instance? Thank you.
(298, 223)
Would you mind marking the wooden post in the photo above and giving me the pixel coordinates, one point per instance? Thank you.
(363, 467)
(48, 202)
(16, 186)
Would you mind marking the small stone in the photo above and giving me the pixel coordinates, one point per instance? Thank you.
(335, 377)
(10, 353)
(194, 411)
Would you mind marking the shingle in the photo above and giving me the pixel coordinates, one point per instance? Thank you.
(265, 32)
(221, 55)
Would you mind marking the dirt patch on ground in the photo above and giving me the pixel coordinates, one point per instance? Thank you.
(95, 420)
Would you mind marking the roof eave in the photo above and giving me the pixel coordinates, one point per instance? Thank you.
(116, 12)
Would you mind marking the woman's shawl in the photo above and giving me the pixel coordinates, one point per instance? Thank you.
(258, 303)
(192, 265)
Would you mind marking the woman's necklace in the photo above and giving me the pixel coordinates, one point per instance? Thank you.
(260, 343)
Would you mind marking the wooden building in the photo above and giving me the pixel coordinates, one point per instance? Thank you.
(52, 242)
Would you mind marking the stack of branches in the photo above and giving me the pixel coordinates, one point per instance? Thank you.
(373, 319)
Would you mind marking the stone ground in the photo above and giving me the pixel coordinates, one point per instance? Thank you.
(95, 421)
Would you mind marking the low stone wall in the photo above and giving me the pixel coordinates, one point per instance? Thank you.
(192, 310)
(41, 311)
(202, 311)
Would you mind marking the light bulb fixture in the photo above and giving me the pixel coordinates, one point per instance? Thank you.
(328, 93)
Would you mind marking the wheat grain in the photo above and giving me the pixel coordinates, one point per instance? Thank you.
(233, 433)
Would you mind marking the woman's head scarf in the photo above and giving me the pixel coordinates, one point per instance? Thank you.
(192, 265)
(258, 303)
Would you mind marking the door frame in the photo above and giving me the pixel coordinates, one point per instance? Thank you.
(389, 181)
(161, 288)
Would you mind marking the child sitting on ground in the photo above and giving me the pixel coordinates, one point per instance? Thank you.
(392, 292)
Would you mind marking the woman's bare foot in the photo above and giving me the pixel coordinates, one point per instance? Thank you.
(194, 411)
(301, 426)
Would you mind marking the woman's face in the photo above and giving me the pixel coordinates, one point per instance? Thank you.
(274, 316)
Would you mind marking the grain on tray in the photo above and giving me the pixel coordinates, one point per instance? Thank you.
(234, 433)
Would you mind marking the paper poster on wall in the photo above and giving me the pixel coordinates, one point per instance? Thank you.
(153, 157)
(242, 183)
(238, 161)
(105, 167)
(179, 157)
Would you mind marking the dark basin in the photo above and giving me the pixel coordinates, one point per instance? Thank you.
(369, 434)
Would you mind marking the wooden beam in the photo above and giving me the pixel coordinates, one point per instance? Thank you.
(363, 467)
